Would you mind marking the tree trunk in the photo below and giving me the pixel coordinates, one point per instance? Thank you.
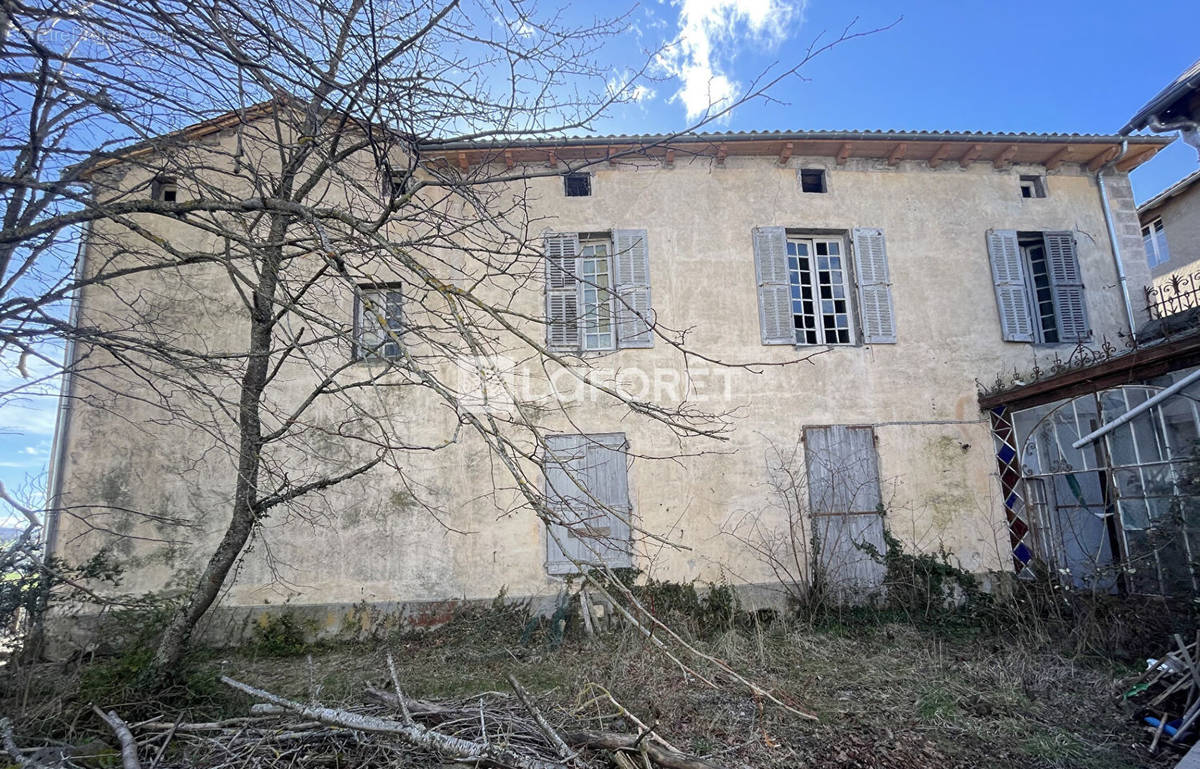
(178, 634)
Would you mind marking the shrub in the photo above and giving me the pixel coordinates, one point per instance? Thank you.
(281, 635)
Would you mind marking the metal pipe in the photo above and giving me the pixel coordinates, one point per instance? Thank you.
(1122, 279)
(1138, 409)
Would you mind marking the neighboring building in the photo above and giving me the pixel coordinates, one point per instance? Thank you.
(1174, 108)
(1171, 233)
(918, 263)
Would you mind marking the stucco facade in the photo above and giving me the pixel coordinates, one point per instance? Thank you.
(372, 540)
(1178, 209)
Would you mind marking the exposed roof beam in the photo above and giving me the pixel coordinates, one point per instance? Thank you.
(1099, 160)
(670, 161)
(843, 153)
(1135, 160)
(1056, 160)
(969, 156)
(897, 154)
(463, 161)
(1004, 159)
(552, 161)
(508, 159)
(722, 152)
(786, 153)
(612, 156)
(942, 151)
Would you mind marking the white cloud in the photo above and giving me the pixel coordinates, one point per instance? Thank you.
(710, 32)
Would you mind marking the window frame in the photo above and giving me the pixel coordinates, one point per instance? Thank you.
(162, 186)
(567, 177)
(1036, 185)
(1033, 288)
(810, 239)
(1151, 234)
(591, 240)
(386, 289)
(824, 180)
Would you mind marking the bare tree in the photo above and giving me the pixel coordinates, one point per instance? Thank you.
(290, 157)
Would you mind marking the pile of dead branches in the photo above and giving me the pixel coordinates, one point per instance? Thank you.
(387, 729)
(1167, 695)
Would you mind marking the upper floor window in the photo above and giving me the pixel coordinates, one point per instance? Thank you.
(820, 293)
(1033, 186)
(577, 185)
(807, 285)
(1155, 238)
(1039, 286)
(598, 291)
(165, 188)
(812, 180)
(377, 321)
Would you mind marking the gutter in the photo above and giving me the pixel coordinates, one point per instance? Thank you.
(66, 396)
(1134, 412)
(733, 137)
(1122, 279)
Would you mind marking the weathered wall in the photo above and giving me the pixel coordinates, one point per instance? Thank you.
(1181, 223)
(374, 539)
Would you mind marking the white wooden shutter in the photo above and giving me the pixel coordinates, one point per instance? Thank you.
(587, 486)
(1012, 294)
(874, 286)
(634, 311)
(774, 289)
(1066, 284)
(562, 291)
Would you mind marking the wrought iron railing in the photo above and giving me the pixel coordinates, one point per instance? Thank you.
(1173, 296)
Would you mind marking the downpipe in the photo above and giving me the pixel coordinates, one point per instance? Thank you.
(1122, 279)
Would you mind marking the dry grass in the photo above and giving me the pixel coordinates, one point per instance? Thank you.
(888, 695)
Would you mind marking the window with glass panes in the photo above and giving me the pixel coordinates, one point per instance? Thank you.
(595, 275)
(1155, 238)
(820, 291)
(379, 322)
(1046, 323)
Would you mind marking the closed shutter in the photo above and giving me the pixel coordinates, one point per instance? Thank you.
(844, 498)
(587, 486)
(1066, 283)
(562, 291)
(774, 289)
(843, 471)
(1012, 294)
(634, 312)
(874, 286)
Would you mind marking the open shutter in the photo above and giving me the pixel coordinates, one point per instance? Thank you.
(874, 286)
(562, 291)
(1012, 294)
(1066, 284)
(587, 487)
(774, 290)
(633, 288)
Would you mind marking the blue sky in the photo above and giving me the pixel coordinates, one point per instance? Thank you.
(1046, 65)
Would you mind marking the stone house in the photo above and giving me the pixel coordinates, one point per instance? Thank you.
(917, 264)
(1171, 232)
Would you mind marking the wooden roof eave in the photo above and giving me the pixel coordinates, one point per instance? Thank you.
(933, 152)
